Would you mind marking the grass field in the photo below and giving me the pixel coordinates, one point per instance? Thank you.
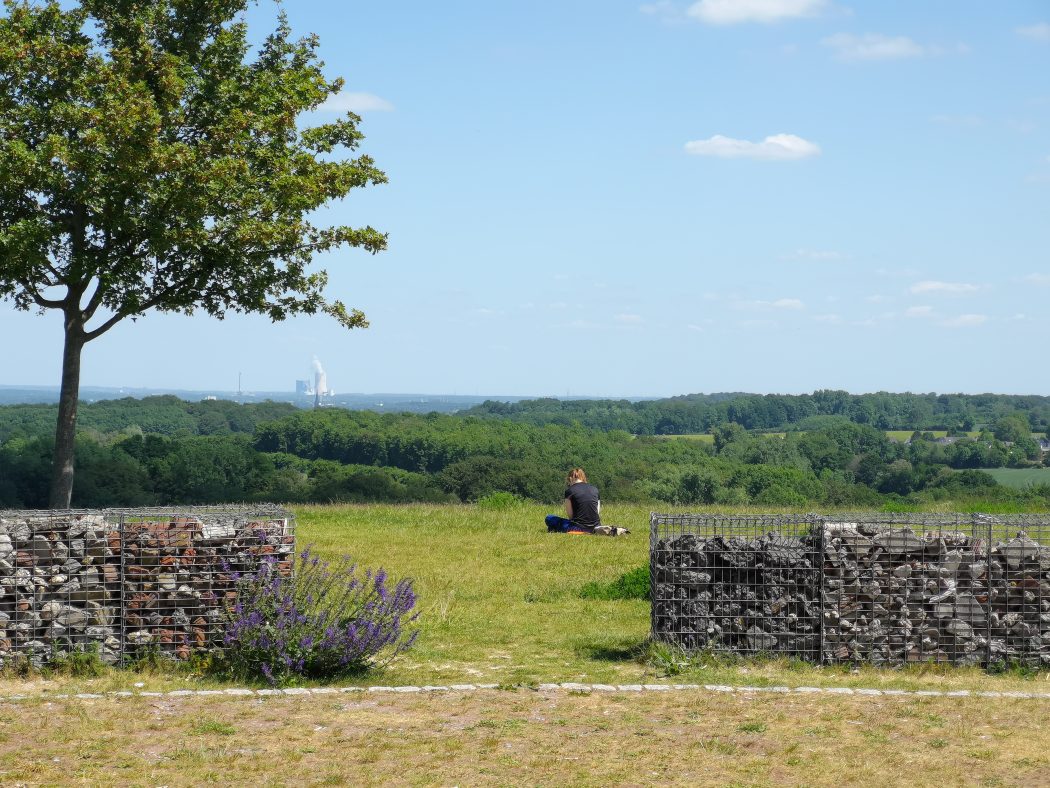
(529, 738)
(1019, 477)
(500, 604)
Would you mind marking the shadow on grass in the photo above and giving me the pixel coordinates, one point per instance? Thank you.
(625, 650)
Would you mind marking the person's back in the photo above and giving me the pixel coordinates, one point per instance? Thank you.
(582, 505)
(585, 504)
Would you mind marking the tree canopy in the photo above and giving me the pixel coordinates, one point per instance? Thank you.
(148, 161)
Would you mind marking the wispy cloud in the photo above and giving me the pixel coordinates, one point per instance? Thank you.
(816, 255)
(964, 321)
(919, 311)
(875, 46)
(778, 147)
(1042, 280)
(356, 102)
(734, 12)
(780, 303)
(966, 121)
(629, 319)
(831, 319)
(1037, 32)
(947, 288)
(663, 9)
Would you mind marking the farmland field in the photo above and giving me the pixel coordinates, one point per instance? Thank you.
(1019, 477)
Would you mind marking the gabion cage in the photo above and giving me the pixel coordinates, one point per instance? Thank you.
(124, 581)
(885, 589)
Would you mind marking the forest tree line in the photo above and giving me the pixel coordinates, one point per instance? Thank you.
(164, 451)
(700, 413)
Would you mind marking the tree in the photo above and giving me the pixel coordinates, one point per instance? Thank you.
(148, 162)
(1012, 428)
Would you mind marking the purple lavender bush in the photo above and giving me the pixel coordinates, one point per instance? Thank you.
(319, 621)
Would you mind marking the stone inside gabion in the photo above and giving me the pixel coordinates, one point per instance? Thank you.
(857, 592)
(116, 584)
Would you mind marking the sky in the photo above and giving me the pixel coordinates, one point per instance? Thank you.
(596, 197)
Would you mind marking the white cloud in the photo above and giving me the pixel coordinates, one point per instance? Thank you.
(356, 102)
(874, 46)
(919, 311)
(964, 321)
(876, 299)
(949, 288)
(733, 12)
(1043, 280)
(1039, 32)
(788, 303)
(830, 318)
(629, 320)
(778, 147)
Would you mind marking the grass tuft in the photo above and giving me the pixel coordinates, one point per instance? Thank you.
(630, 585)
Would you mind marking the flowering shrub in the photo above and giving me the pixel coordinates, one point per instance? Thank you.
(318, 621)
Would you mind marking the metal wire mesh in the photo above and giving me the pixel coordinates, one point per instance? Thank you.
(124, 580)
(882, 589)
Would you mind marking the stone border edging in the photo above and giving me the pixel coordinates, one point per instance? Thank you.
(569, 686)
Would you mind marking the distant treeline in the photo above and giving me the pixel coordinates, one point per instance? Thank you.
(161, 415)
(696, 413)
(164, 451)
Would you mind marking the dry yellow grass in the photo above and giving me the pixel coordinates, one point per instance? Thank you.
(528, 738)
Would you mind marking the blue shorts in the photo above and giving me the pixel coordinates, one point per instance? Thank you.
(562, 525)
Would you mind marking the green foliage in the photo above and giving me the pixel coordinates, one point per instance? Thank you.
(819, 411)
(332, 455)
(148, 162)
(82, 663)
(630, 585)
(499, 501)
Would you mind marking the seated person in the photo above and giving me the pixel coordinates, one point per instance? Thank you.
(582, 506)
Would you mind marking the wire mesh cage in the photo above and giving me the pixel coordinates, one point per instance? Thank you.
(740, 584)
(880, 589)
(121, 581)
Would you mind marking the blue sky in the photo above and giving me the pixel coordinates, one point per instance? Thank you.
(622, 198)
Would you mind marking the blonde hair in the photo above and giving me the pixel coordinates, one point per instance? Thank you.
(577, 475)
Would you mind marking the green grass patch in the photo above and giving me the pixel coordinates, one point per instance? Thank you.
(630, 585)
(1019, 478)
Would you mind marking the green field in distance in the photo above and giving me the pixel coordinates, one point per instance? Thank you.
(1019, 477)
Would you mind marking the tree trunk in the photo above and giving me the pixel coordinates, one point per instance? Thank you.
(65, 431)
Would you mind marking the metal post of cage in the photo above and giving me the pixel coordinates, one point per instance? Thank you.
(122, 609)
(653, 534)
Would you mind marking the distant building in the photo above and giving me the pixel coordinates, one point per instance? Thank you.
(302, 388)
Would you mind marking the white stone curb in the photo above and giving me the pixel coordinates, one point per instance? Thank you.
(569, 686)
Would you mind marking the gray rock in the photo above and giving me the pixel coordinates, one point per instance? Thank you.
(70, 587)
(40, 547)
(899, 542)
(959, 629)
(72, 617)
(1020, 550)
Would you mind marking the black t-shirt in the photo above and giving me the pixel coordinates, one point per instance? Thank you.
(584, 499)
